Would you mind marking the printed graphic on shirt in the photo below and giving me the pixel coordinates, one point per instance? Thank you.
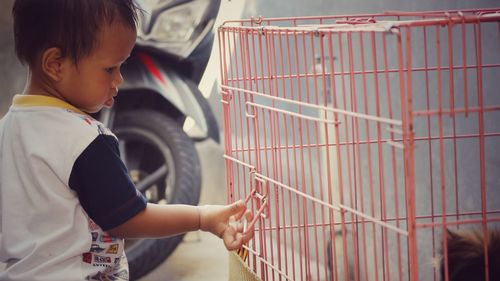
(93, 225)
(106, 238)
(108, 274)
(87, 119)
(113, 249)
(102, 260)
(106, 252)
(121, 275)
(87, 257)
(103, 130)
(95, 248)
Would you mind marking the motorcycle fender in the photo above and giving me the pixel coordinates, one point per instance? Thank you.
(142, 71)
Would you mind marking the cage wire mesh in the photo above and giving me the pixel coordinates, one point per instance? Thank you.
(359, 140)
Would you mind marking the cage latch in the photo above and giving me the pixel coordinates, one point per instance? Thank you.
(259, 193)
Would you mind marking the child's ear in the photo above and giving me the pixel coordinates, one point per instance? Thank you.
(52, 63)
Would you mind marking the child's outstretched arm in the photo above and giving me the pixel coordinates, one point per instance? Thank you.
(228, 226)
(165, 220)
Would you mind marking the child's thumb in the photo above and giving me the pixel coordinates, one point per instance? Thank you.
(237, 208)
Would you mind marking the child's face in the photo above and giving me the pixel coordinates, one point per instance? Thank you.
(94, 82)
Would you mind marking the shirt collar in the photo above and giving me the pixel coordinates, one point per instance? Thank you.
(39, 100)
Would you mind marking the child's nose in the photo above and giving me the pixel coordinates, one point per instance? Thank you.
(118, 80)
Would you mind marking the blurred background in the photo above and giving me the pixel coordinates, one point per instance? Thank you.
(12, 74)
(202, 256)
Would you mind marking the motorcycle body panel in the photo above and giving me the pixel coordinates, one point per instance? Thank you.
(145, 72)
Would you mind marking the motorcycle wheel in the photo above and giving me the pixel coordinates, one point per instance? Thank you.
(149, 143)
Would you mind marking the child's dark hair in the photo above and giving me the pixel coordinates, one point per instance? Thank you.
(466, 256)
(70, 25)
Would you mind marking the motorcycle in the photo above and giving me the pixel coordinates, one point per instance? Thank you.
(160, 113)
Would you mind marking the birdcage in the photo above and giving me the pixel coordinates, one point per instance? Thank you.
(359, 141)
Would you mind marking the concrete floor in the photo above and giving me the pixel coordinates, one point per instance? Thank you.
(201, 256)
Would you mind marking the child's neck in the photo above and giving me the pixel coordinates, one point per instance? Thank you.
(37, 84)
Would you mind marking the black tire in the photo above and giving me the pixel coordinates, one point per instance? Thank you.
(148, 140)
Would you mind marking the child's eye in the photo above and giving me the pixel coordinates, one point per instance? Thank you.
(110, 69)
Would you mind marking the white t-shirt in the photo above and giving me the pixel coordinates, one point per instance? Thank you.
(62, 185)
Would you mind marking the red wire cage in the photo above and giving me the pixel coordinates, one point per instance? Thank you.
(360, 140)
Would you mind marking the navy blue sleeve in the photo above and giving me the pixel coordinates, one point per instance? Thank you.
(103, 185)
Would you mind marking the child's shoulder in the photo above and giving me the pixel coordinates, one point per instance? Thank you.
(87, 123)
(62, 126)
(84, 126)
(70, 122)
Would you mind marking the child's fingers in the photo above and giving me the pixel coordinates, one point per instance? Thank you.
(248, 233)
(238, 209)
(247, 237)
(248, 215)
(238, 224)
(232, 239)
(235, 235)
(239, 227)
(249, 219)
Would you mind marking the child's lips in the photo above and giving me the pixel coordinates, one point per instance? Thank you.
(110, 102)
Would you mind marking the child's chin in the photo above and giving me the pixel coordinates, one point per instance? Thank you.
(109, 103)
(94, 110)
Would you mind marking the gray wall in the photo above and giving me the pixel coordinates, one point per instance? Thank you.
(12, 73)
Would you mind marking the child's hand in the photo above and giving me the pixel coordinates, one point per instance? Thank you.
(225, 222)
